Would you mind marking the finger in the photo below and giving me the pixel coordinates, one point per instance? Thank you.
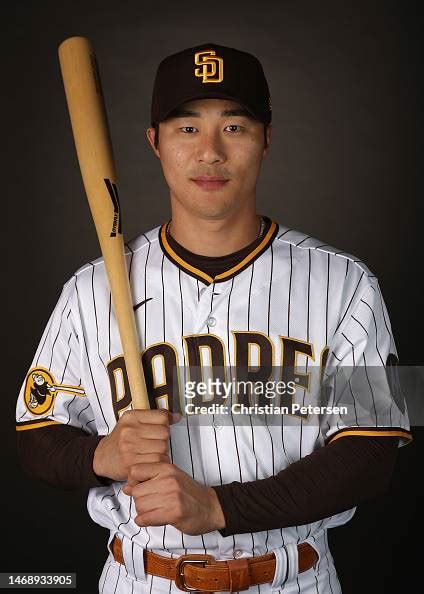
(150, 519)
(160, 487)
(158, 416)
(144, 459)
(150, 431)
(144, 472)
(159, 516)
(148, 503)
(151, 446)
(151, 457)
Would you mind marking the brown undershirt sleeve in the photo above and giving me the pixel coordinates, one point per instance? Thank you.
(60, 455)
(331, 479)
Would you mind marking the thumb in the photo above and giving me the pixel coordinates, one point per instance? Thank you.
(174, 417)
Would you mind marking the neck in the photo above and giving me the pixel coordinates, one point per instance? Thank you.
(215, 237)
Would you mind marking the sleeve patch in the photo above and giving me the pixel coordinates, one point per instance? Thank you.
(41, 389)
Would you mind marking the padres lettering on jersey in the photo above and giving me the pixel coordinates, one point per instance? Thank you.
(292, 301)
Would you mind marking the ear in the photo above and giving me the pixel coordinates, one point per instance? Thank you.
(268, 139)
(151, 133)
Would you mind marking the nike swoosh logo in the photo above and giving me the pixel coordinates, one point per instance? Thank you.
(141, 303)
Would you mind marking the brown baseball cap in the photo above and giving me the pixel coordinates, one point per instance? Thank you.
(210, 71)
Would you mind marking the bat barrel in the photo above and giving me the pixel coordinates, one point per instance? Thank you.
(94, 149)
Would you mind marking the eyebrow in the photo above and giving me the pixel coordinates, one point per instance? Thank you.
(188, 113)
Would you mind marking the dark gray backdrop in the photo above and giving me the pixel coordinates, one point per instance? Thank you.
(343, 168)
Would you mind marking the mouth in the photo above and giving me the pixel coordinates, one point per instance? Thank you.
(210, 182)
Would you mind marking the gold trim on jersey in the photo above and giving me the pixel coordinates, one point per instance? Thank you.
(174, 257)
(368, 432)
(35, 425)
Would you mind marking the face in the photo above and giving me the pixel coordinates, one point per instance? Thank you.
(211, 153)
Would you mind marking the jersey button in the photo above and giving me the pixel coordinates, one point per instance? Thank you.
(238, 554)
(211, 321)
(217, 424)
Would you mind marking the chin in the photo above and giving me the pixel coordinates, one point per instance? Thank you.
(213, 211)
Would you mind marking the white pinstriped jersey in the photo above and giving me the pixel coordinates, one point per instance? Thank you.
(293, 298)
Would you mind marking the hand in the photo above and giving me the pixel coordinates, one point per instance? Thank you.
(140, 436)
(167, 495)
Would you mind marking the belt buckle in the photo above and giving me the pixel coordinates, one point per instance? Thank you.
(179, 569)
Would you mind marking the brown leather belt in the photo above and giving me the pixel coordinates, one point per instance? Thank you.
(203, 573)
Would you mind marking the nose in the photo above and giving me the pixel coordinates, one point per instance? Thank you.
(210, 149)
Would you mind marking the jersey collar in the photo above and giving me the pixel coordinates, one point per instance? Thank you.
(227, 274)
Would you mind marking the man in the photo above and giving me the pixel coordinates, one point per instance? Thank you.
(217, 501)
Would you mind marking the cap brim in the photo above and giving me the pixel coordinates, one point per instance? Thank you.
(211, 95)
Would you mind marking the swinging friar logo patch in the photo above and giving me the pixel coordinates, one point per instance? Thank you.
(41, 390)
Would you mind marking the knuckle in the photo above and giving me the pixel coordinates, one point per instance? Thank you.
(179, 512)
(125, 433)
(127, 460)
(164, 432)
(132, 472)
(121, 449)
(173, 485)
(163, 447)
(163, 415)
(126, 417)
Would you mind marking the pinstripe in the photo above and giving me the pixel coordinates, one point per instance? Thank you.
(302, 240)
(288, 334)
(307, 338)
(248, 328)
(117, 579)
(95, 314)
(385, 321)
(67, 408)
(327, 550)
(282, 234)
(92, 377)
(231, 378)
(57, 334)
(360, 323)
(110, 313)
(350, 302)
(129, 516)
(376, 331)
(164, 340)
(131, 261)
(145, 291)
(268, 332)
(67, 359)
(187, 424)
(107, 571)
(371, 390)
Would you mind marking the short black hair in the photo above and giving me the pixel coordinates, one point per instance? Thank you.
(156, 128)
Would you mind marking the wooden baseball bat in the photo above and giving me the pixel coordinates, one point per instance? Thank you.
(94, 149)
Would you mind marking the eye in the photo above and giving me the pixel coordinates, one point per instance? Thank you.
(188, 129)
(235, 127)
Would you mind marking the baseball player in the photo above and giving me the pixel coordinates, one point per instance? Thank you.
(227, 488)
